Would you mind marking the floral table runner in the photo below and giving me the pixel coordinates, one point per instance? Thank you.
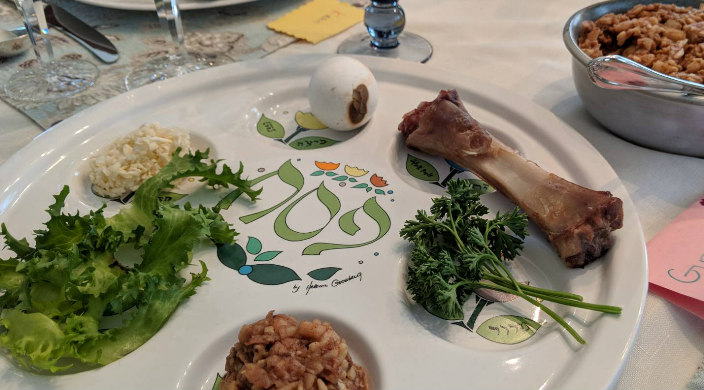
(239, 31)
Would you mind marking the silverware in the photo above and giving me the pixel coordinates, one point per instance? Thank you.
(617, 72)
(82, 33)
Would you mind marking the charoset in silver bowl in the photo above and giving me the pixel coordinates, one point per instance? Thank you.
(668, 121)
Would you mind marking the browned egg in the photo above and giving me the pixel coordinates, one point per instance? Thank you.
(343, 93)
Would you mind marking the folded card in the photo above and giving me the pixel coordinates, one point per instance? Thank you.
(676, 260)
(318, 20)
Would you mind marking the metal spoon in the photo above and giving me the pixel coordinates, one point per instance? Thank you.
(617, 72)
(13, 42)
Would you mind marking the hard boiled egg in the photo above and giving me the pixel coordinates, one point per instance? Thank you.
(342, 93)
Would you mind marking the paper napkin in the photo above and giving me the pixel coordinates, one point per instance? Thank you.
(676, 260)
(318, 20)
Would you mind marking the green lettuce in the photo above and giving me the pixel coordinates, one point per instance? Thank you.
(57, 296)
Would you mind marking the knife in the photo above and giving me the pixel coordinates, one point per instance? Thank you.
(82, 33)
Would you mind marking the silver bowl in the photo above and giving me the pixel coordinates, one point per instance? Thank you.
(671, 122)
(13, 42)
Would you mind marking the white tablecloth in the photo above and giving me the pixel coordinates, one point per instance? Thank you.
(518, 45)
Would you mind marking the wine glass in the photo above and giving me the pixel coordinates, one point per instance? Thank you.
(172, 64)
(51, 78)
(385, 21)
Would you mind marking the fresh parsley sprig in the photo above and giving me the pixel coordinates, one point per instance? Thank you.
(456, 250)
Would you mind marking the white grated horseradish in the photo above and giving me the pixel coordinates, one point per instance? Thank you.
(122, 166)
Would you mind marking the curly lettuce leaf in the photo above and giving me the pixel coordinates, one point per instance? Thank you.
(34, 339)
(10, 280)
(146, 198)
(175, 235)
(158, 303)
(19, 246)
(57, 296)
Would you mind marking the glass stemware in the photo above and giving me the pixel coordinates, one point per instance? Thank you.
(173, 64)
(51, 78)
(385, 20)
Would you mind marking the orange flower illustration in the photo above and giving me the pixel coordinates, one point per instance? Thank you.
(378, 181)
(327, 166)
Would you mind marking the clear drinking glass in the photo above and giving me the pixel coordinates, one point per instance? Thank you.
(51, 78)
(385, 21)
(173, 64)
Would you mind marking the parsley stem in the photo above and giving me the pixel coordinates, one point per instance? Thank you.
(495, 272)
(495, 259)
(580, 304)
(527, 288)
(556, 317)
(508, 273)
(453, 231)
(560, 297)
(547, 310)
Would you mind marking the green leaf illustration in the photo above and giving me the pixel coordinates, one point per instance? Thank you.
(270, 128)
(361, 185)
(266, 256)
(232, 256)
(216, 385)
(309, 143)
(323, 273)
(369, 189)
(353, 180)
(461, 324)
(347, 223)
(288, 174)
(330, 173)
(341, 178)
(421, 169)
(380, 192)
(480, 186)
(481, 303)
(317, 173)
(325, 196)
(508, 329)
(272, 274)
(254, 246)
(375, 212)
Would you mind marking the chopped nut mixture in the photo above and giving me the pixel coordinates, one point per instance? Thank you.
(664, 37)
(278, 352)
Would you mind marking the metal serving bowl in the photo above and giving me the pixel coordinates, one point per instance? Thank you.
(13, 42)
(671, 122)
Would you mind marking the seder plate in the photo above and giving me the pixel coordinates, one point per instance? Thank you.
(352, 272)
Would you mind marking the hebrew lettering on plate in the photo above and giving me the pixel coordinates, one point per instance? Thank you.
(337, 208)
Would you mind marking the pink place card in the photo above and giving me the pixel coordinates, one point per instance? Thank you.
(676, 260)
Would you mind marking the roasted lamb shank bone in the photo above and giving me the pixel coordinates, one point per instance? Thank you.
(577, 221)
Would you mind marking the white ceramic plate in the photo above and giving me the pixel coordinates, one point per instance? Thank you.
(401, 345)
(148, 5)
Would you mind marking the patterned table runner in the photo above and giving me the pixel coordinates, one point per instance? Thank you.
(239, 31)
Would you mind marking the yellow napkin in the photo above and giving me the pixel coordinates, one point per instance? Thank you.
(318, 20)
